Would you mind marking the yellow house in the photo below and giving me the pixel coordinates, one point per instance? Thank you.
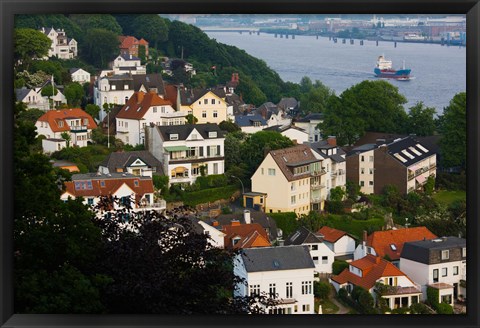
(286, 176)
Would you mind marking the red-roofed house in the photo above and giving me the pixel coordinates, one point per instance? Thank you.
(141, 110)
(129, 45)
(341, 243)
(127, 187)
(389, 243)
(245, 235)
(74, 121)
(369, 270)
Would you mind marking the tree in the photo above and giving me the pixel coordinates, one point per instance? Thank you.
(191, 119)
(29, 45)
(103, 21)
(49, 91)
(315, 100)
(229, 126)
(100, 46)
(313, 221)
(151, 27)
(453, 144)
(74, 93)
(352, 189)
(421, 120)
(321, 289)
(67, 137)
(337, 194)
(338, 266)
(142, 54)
(92, 110)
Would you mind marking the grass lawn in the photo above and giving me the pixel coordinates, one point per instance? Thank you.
(446, 197)
(354, 227)
(327, 306)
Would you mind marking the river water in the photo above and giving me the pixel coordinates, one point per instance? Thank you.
(439, 72)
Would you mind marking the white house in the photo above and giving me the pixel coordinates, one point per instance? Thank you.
(322, 255)
(62, 46)
(130, 189)
(370, 270)
(309, 124)
(79, 75)
(32, 98)
(77, 123)
(439, 263)
(51, 145)
(187, 150)
(286, 273)
(127, 64)
(250, 123)
(57, 99)
(341, 243)
(294, 133)
(217, 236)
(141, 110)
(139, 162)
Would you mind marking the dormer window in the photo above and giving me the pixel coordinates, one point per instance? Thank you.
(393, 247)
(235, 240)
(60, 124)
(174, 136)
(445, 255)
(114, 87)
(125, 87)
(212, 134)
(464, 252)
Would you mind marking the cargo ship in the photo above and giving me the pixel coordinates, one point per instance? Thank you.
(384, 70)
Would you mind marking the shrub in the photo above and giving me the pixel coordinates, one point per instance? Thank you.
(334, 206)
(161, 183)
(343, 294)
(338, 266)
(444, 308)
(432, 297)
(211, 181)
(321, 289)
(419, 308)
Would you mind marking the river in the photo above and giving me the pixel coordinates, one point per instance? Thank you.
(438, 72)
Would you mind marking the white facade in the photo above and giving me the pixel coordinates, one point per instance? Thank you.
(105, 92)
(311, 128)
(295, 303)
(79, 132)
(61, 46)
(279, 119)
(33, 99)
(322, 257)
(124, 65)
(80, 76)
(295, 135)
(52, 145)
(343, 246)
(217, 236)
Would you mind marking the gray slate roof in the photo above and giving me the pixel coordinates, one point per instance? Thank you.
(419, 251)
(184, 131)
(312, 117)
(277, 258)
(248, 120)
(124, 159)
(22, 93)
(150, 81)
(302, 236)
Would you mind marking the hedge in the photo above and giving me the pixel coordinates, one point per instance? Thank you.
(208, 195)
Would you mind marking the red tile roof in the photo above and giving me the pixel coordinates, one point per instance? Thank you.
(381, 241)
(251, 235)
(127, 42)
(373, 268)
(330, 234)
(54, 117)
(139, 103)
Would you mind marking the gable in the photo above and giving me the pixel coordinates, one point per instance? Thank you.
(139, 162)
(194, 135)
(123, 190)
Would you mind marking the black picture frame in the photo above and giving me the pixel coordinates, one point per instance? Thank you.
(11, 7)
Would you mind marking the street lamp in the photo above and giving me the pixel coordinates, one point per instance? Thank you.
(406, 223)
(243, 189)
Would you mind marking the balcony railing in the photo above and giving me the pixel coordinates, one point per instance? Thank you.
(78, 128)
(317, 186)
(160, 205)
(318, 172)
(315, 200)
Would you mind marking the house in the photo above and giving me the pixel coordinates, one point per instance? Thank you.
(322, 255)
(129, 45)
(333, 162)
(51, 145)
(77, 123)
(439, 263)
(286, 273)
(187, 151)
(370, 270)
(389, 243)
(216, 237)
(289, 106)
(117, 89)
(62, 46)
(32, 98)
(79, 75)
(141, 110)
(287, 176)
(309, 123)
(139, 163)
(127, 64)
(405, 163)
(249, 235)
(248, 217)
(295, 134)
(128, 188)
(251, 123)
(273, 115)
(341, 243)
(58, 99)
(206, 105)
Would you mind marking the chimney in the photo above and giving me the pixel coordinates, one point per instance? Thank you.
(332, 140)
(377, 260)
(246, 216)
(235, 223)
(281, 242)
(139, 97)
(215, 223)
(364, 236)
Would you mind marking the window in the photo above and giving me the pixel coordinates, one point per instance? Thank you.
(254, 290)
(306, 307)
(293, 199)
(114, 87)
(464, 252)
(324, 259)
(90, 201)
(306, 287)
(262, 170)
(362, 183)
(272, 290)
(370, 170)
(174, 136)
(215, 168)
(362, 170)
(455, 270)
(289, 289)
(212, 134)
(205, 101)
(213, 101)
(215, 113)
(315, 259)
(102, 183)
(371, 158)
(154, 109)
(445, 255)
(314, 247)
(447, 299)
(444, 272)
(204, 113)
(125, 87)
(271, 172)
(362, 158)
(60, 124)
(370, 183)
(435, 275)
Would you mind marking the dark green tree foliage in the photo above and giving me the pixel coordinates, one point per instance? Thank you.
(157, 265)
(229, 126)
(49, 91)
(57, 21)
(103, 21)
(419, 308)
(315, 96)
(321, 289)
(51, 67)
(453, 129)
(74, 93)
(92, 110)
(55, 243)
(313, 221)
(338, 266)
(151, 27)
(29, 44)
(31, 115)
(142, 54)
(250, 92)
(421, 120)
(100, 46)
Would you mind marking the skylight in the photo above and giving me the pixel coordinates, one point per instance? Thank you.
(408, 154)
(413, 150)
(393, 247)
(399, 157)
(422, 148)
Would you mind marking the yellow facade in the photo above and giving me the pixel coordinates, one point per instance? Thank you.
(209, 109)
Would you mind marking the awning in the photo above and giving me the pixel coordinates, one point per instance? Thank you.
(176, 148)
(420, 178)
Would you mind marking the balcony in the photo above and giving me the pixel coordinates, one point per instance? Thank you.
(317, 186)
(318, 173)
(78, 128)
(315, 200)
(159, 206)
